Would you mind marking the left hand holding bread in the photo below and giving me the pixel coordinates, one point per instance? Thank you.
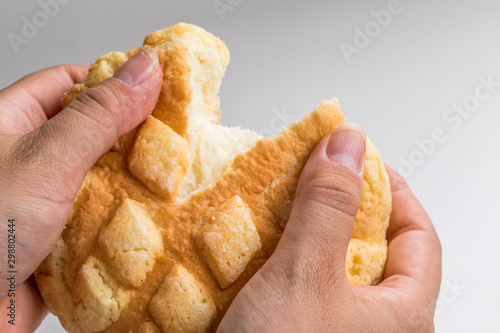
(45, 152)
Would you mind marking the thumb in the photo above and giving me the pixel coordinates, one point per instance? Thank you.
(326, 202)
(73, 140)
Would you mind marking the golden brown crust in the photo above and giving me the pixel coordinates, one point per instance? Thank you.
(263, 178)
(159, 157)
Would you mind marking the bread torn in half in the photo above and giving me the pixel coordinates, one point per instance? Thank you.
(172, 222)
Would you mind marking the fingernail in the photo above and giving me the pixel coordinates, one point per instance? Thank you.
(347, 147)
(138, 68)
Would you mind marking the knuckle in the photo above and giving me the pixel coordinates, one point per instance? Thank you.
(37, 149)
(38, 167)
(101, 103)
(332, 192)
(28, 147)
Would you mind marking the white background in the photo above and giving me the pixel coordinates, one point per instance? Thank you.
(286, 58)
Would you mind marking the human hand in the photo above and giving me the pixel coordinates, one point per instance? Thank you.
(46, 152)
(303, 286)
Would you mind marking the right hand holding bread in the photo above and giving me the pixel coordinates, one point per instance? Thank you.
(303, 286)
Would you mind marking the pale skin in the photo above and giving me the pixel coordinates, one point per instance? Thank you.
(44, 155)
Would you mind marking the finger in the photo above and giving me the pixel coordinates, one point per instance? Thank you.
(28, 103)
(407, 296)
(326, 202)
(414, 247)
(73, 140)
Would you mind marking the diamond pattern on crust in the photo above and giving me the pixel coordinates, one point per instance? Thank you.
(159, 157)
(182, 304)
(132, 243)
(99, 296)
(229, 240)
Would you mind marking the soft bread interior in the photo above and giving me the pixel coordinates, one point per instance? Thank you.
(212, 151)
(213, 147)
